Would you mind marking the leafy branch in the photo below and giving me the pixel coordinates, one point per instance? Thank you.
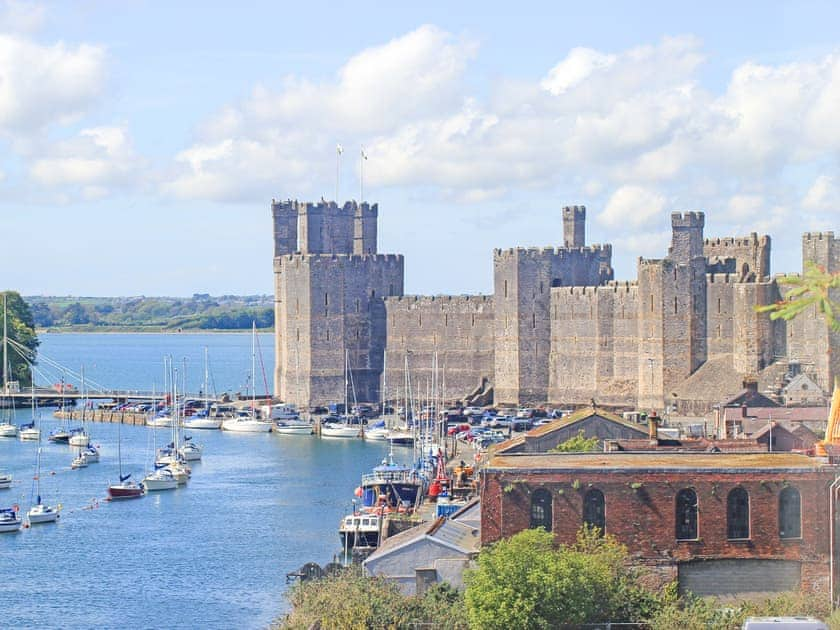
(812, 288)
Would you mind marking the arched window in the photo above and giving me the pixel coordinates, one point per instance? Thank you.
(738, 514)
(541, 509)
(790, 513)
(593, 509)
(686, 514)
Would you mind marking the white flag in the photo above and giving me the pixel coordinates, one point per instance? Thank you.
(339, 149)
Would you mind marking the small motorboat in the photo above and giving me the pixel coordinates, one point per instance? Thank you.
(180, 471)
(91, 453)
(246, 424)
(79, 437)
(190, 451)
(60, 436)
(5, 481)
(80, 461)
(340, 428)
(29, 432)
(377, 432)
(292, 426)
(7, 429)
(201, 420)
(126, 489)
(9, 520)
(360, 530)
(41, 513)
(161, 479)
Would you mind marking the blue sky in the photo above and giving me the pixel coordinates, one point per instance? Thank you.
(142, 142)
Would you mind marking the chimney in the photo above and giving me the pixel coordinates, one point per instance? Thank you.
(743, 410)
(750, 384)
(653, 424)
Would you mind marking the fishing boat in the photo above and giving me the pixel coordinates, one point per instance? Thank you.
(9, 520)
(360, 530)
(161, 479)
(126, 488)
(5, 481)
(391, 486)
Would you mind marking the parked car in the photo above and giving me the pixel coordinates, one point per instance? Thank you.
(521, 424)
(458, 428)
(501, 422)
(473, 411)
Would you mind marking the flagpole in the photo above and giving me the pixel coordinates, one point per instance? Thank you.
(338, 152)
(362, 159)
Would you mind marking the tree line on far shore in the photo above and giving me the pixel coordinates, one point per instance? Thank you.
(199, 312)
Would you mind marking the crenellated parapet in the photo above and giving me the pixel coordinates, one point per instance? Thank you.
(746, 256)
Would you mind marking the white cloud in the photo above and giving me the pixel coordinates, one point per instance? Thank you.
(21, 17)
(95, 160)
(824, 194)
(41, 85)
(578, 65)
(632, 206)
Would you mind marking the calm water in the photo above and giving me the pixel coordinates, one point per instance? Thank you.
(211, 555)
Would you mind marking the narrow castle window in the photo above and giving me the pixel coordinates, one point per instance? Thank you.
(420, 319)
(357, 334)
(686, 516)
(390, 289)
(506, 293)
(358, 305)
(297, 333)
(718, 306)
(790, 513)
(738, 514)
(297, 306)
(675, 306)
(328, 334)
(326, 299)
(541, 509)
(372, 293)
(445, 320)
(473, 320)
(651, 304)
(533, 320)
(542, 289)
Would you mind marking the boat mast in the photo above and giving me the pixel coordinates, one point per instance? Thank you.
(5, 349)
(253, 369)
(206, 378)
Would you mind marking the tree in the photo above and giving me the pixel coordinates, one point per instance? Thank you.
(815, 287)
(21, 329)
(526, 582)
(578, 444)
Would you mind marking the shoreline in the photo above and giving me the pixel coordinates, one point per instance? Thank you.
(162, 331)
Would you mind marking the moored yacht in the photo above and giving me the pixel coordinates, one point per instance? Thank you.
(29, 431)
(161, 479)
(80, 461)
(9, 520)
(91, 454)
(340, 427)
(201, 420)
(292, 426)
(5, 481)
(40, 513)
(246, 423)
(7, 429)
(126, 489)
(190, 451)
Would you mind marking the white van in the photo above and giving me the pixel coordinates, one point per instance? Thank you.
(783, 623)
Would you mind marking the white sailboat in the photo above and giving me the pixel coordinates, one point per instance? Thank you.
(80, 437)
(5, 481)
(202, 418)
(41, 512)
(125, 488)
(7, 429)
(9, 520)
(248, 422)
(343, 427)
(31, 431)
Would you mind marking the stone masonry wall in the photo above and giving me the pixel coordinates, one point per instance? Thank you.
(750, 254)
(809, 340)
(329, 308)
(594, 344)
(456, 329)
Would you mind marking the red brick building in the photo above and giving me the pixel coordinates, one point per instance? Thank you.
(720, 523)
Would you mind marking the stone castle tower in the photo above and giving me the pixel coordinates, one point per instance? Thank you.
(330, 284)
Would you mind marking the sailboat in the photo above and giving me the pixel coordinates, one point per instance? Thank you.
(9, 520)
(7, 429)
(5, 481)
(79, 436)
(343, 427)
(159, 478)
(202, 419)
(247, 422)
(176, 465)
(30, 431)
(126, 488)
(40, 512)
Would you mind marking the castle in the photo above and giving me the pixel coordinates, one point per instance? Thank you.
(558, 328)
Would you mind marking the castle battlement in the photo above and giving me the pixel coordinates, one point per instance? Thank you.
(572, 212)
(720, 278)
(612, 287)
(349, 208)
(687, 219)
(737, 241)
(315, 259)
(818, 236)
(410, 301)
(595, 250)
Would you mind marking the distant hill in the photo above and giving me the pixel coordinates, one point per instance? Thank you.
(199, 312)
